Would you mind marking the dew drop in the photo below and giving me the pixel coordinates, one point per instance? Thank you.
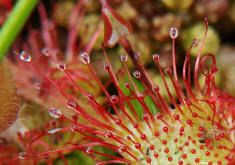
(140, 96)
(46, 156)
(114, 99)
(173, 32)
(122, 149)
(85, 57)
(55, 113)
(74, 128)
(89, 150)
(196, 42)
(72, 104)
(156, 88)
(124, 58)
(90, 96)
(155, 57)
(61, 66)
(24, 56)
(22, 155)
(108, 134)
(168, 71)
(46, 52)
(54, 130)
(136, 74)
(37, 85)
(137, 55)
(107, 67)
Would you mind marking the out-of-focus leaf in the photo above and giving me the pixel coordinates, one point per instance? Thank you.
(9, 101)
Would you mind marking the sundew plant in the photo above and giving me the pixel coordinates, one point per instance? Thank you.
(196, 127)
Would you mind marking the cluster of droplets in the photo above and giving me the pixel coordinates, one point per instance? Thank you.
(55, 113)
(26, 56)
(143, 136)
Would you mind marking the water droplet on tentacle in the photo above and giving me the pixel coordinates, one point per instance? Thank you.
(72, 103)
(124, 58)
(136, 74)
(54, 130)
(155, 57)
(61, 66)
(22, 155)
(55, 113)
(74, 128)
(37, 85)
(137, 55)
(114, 99)
(89, 150)
(46, 52)
(107, 67)
(173, 32)
(25, 56)
(85, 57)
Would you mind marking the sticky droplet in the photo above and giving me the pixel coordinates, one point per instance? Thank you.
(61, 66)
(136, 74)
(173, 32)
(85, 57)
(46, 52)
(37, 85)
(155, 57)
(72, 104)
(89, 150)
(25, 56)
(74, 128)
(137, 55)
(196, 42)
(54, 130)
(22, 155)
(124, 58)
(55, 113)
(114, 99)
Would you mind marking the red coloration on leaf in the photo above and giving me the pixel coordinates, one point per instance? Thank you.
(115, 26)
(169, 135)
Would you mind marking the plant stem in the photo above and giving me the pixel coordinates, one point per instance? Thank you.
(14, 23)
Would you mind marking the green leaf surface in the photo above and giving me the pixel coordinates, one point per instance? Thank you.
(14, 23)
(135, 103)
